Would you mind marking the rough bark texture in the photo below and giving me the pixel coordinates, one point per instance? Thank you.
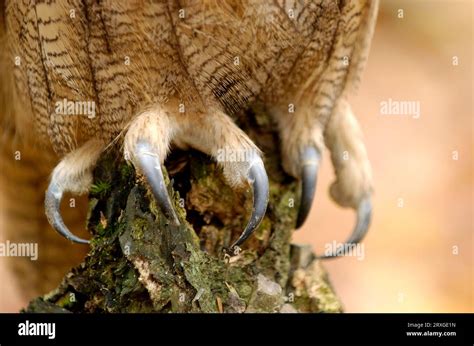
(139, 263)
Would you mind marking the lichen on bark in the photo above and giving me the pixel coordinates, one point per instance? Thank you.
(138, 262)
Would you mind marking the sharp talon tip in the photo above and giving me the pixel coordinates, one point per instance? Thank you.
(53, 197)
(258, 179)
(175, 222)
(150, 166)
(364, 216)
(309, 176)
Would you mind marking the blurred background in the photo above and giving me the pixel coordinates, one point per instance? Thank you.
(419, 250)
(418, 255)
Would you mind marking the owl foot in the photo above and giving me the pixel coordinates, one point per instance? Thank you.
(72, 174)
(256, 177)
(146, 145)
(303, 138)
(309, 175)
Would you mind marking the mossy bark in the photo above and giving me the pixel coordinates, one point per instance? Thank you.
(140, 263)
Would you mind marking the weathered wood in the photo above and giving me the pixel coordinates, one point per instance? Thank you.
(139, 263)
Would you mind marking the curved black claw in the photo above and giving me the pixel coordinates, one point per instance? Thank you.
(52, 203)
(310, 158)
(364, 215)
(259, 181)
(150, 166)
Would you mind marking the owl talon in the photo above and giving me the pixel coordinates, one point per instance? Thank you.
(258, 179)
(52, 202)
(310, 158)
(150, 166)
(364, 215)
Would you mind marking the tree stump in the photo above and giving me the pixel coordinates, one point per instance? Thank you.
(138, 262)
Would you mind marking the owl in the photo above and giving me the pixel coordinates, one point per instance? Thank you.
(79, 76)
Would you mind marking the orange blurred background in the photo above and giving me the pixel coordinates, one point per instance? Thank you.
(418, 255)
(423, 202)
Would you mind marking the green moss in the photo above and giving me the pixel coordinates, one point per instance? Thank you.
(263, 231)
(140, 263)
(139, 226)
(126, 171)
(100, 188)
(67, 301)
